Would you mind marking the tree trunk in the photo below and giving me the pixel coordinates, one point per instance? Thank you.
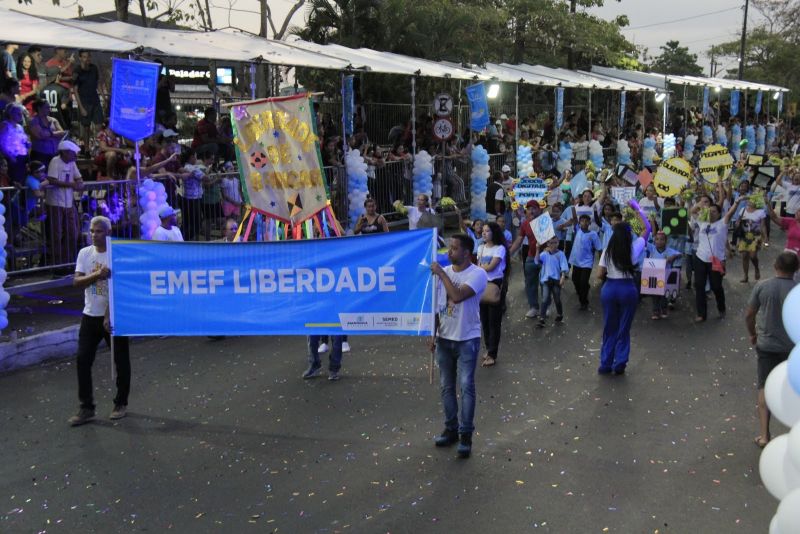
(121, 7)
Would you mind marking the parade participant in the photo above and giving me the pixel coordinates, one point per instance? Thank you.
(91, 273)
(532, 268)
(334, 358)
(764, 321)
(457, 340)
(608, 227)
(501, 222)
(709, 259)
(586, 242)
(651, 204)
(753, 228)
(560, 224)
(492, 259)
(619, 295)
(791, 189)
(659, 250)
(553, 276)
(168, 231)
(371, 222)
(790, 225)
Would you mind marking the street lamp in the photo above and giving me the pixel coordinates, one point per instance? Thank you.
(494, 90)
(660, 97)
(776, 96)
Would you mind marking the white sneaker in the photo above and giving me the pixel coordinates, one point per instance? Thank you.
(323, 348)
(345, 346)
(532, 313)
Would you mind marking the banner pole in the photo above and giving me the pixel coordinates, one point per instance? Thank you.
(434, 248)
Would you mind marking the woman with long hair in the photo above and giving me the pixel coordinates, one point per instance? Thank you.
(492, 256)
(28, 81)
(619, 295)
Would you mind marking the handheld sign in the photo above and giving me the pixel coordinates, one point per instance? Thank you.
(654, 277)
(715, 159)
(674, 221)
(542, 227)
(645, 178)
(622, 195)
(133, 98)
(529, 189)
(672, 176)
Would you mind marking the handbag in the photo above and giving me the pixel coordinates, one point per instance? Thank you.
(717, 265)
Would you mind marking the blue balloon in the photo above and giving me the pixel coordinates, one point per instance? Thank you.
(793, 369)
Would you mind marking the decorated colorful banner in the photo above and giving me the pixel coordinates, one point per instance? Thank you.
(705, 102)
(279, 159)
(478, 106)
(528, 189)
(672, 176)
(348, 99)
(735, 95)
(375, 284)
(622, 109)
(133, 98)
(559, 108)
(715, 161)
(759, 98)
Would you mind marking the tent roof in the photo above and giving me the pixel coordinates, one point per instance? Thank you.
(506, 73)
(577, 79)
(662, 81)
(23, 28)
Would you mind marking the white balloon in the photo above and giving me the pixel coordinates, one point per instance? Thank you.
(782, 400)
(791, 314)
(778, 473)
(773, 525)
(789, 513)
(794, 446)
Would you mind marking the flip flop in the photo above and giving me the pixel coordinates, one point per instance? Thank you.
(760, 442)
(488, 362)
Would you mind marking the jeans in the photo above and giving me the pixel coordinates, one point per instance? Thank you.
(334, 358)
(90, 334)
(532, 270)
(619, 298)
(491, 321)
(458, 359)
(703, 272)
(581, 277)
(551, 290)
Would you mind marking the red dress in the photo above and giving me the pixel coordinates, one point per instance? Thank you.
(26, 85)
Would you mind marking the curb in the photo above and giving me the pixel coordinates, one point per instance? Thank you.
(39, 348)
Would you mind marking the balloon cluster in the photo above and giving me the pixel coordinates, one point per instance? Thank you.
(524, 161)
(761, 136)
(688, 146)
(750, 136)
(770, 136)
(479, 178)
(356, 184)
(779, 464)
(708, 135)
(422, 174)
(648, 151)
(4, 296)
(564, 162)
(596, 153)
(736, 137)
(623, 152)
(152, 199)
(722, 136)
(669, 146)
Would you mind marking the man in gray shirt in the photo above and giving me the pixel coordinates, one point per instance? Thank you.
(767, 334)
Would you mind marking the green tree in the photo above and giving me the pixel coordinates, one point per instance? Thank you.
(676, 59)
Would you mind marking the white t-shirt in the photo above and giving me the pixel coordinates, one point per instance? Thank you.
(485, 256)
(711, 238)
(648, 206)
(162, 234)
(792, 194)
(612, 272)
(230, 186)
(413, 216)
(61, 197)
(95, 297)
(462, 321)
(751, 220)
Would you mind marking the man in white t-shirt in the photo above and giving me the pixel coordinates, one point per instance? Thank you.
(168, 231)
(92, 273)
(458, 324)
(62, 216)
(709, 259)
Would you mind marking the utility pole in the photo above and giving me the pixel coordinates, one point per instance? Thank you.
(570, 56)
(744, 38)
(711, 70)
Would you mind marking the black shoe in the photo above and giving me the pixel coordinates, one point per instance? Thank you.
(541, 323)
(619, 371)
(464, 445)
(559, 318)
(603, 371)
(446, 438)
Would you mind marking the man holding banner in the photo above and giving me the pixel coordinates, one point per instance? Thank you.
(458, 327)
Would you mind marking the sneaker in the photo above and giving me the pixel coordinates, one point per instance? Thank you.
(464, 445)
(333, 376)
(345, 346)
(311, 372)
(619, 371)
(559, 318)
(541, 323)
(83, 416)
(323, 348)
(446, 438)
(118, 412)
(532, 313)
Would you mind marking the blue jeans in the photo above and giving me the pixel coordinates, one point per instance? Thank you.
(532, 270)
(458, 359)
(619, 298)
(551, 290)
(335, 357)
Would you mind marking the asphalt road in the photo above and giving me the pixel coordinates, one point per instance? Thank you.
(225, 436)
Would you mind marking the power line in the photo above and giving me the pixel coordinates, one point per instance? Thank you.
(681, 20)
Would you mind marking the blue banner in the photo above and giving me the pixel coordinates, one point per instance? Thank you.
(133, 98)
(374, 284)
(622, 109)
(559, 108)
(759, 97)
(735, 94)
(780, 105)
(478, 107)
(705, 102)
(349, 106)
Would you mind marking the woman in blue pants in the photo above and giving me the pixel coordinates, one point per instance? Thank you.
(619, 295)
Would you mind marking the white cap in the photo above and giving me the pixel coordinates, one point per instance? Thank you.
(68, 145)
(505, 168)
(504, 117)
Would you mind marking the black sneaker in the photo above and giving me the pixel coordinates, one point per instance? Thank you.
(541, 323)
(559, 318)
(83, 416)
(311, 372)
(464, 445)
(446, 438)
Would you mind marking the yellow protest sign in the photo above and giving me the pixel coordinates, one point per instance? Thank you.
(672, 176)
(716, 159)
(279, 158)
